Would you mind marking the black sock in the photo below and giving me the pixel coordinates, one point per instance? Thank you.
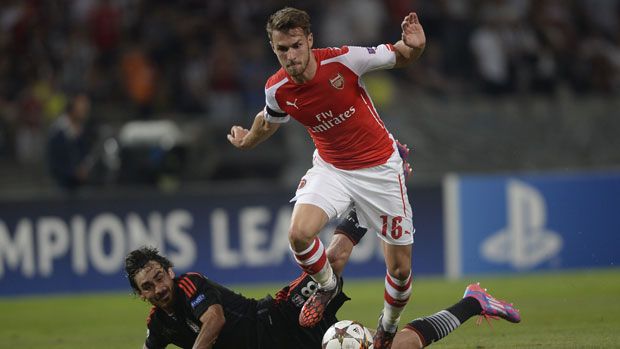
(465, 309)
(435, 327)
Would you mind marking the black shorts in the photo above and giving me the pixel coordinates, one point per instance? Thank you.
(278, 324)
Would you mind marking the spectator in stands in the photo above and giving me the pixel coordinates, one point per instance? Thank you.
(68, 149)
(140, 78)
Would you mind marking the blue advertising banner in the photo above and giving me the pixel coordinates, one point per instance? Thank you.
(80, 245)
(498, 224)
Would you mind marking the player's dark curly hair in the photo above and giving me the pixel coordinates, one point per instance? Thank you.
(288, 18)
(137, 259)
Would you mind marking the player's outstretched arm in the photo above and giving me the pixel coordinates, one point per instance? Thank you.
(412, 42)
(213, 321)
(261, 129)
(338, 252)
(348, 233)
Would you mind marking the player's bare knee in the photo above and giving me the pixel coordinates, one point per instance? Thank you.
(299, 238)
(400, 272)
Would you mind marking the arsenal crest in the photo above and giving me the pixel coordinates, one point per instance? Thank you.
(337, 82)
(302, 183)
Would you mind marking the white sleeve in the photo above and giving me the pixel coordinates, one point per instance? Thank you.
(365, 59)
(273, 112)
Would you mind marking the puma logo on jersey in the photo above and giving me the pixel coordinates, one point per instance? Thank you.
(293, 104)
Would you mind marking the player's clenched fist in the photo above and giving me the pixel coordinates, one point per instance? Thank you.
(235, 137)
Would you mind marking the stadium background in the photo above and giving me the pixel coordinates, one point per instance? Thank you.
(512, 112)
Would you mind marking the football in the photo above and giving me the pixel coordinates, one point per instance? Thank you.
(347, 334)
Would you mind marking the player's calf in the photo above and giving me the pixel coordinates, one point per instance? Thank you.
(313, 260)
(396, 296)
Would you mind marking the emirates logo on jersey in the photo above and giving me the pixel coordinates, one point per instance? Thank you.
(337, 81)
(329, 119)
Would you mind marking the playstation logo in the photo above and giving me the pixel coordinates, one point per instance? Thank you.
(525, 242)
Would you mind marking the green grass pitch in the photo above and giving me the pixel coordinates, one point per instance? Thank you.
(560, 310)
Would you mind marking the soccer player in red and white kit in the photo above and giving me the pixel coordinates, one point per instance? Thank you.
(356, 161)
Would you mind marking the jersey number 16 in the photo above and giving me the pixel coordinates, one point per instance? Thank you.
(396, 231)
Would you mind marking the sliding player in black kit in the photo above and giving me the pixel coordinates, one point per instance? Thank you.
(192, 311)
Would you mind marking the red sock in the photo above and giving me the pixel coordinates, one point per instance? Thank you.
(313, 261)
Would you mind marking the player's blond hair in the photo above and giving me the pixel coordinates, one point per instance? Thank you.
(288, 18)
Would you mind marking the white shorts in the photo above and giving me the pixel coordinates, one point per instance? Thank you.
(378, 194)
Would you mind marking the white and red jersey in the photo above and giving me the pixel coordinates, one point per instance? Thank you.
(335, 107)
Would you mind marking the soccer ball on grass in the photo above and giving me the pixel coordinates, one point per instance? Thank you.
(347, 334)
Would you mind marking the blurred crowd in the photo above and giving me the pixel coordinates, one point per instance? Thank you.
(210, 58)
